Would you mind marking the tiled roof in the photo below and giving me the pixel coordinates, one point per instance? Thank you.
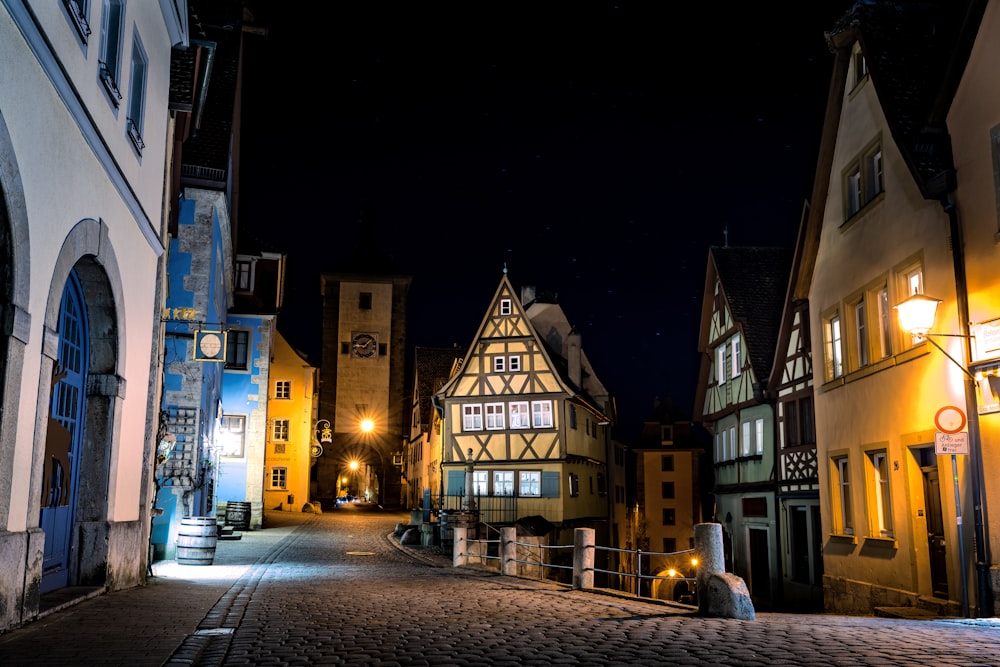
(433, 366)
(754, 281)
(914, 53)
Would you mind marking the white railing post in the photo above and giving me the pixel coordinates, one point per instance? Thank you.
(583, 558)
(508, 551)
(459, 548)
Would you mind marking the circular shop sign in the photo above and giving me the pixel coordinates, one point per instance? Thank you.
(949, 419)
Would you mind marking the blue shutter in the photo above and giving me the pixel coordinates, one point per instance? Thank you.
(455, 483)
(550, 485)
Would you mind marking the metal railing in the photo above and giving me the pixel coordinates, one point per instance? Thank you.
(489, 552)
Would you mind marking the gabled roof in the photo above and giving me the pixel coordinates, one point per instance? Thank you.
(433, 367)
(754, 280)
(916, 52)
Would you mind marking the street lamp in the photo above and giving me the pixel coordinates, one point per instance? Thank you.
(916, 315)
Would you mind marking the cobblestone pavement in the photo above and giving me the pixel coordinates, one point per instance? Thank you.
(335, 589)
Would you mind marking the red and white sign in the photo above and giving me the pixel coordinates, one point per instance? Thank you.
(949, 419)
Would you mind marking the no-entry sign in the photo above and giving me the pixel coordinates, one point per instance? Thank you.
(949, 419)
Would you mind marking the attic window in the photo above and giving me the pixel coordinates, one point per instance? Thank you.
(860, 67)
(505, 308)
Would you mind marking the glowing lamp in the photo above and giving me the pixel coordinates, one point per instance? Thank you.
(916, 314)
(367, 425)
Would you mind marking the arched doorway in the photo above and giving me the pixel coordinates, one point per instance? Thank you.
(64, 439)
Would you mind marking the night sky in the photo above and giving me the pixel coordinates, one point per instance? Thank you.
(595, 149)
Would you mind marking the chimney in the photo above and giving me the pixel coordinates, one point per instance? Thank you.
(574, 357)
(527, 295)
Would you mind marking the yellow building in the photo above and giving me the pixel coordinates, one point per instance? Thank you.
(886, 225)
(535, 440)
(291, 450)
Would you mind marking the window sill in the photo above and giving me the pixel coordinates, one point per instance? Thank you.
(882, 542)
(909, 354)
(844, 539)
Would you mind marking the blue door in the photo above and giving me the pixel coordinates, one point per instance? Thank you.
(64, 439)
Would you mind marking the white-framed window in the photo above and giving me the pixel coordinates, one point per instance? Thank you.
(863, 179)
(135, 118)
(505, 307)
(733, 442)
(112, 25)
(279, 430)
(278, 478)
(745, 444)
(724, 446)
(843, 510)
(499, 364)
(735, 359)
(884, 322)
(759, 442)
(503, 482)
(833, 347)
(861, 332)
(519, 415)
(472, 417)
(860, 66)
(720, 363)
(530, 483)
(283, 389)
(79, 14)
(480, 482)
(910, 281)
(574, 485)
(244, 275)
(494, 416)
(514, 363)
(541, 414)
(881, 500)
(231, 432)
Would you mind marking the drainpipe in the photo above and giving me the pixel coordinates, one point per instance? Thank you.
(984, 602)
(440, 410)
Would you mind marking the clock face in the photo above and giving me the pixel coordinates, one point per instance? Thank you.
(210, 345)
(364, 345)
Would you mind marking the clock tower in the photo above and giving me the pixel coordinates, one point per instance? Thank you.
(363, 375)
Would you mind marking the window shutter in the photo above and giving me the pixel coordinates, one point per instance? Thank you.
(455, 484)
(550, 484)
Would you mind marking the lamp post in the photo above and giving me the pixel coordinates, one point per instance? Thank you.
(916, 315)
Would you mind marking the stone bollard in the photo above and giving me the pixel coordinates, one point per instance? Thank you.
(583, 558)
(459, 548)
(508, 551)
(719, 593)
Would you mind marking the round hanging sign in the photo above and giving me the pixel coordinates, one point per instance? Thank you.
(949, 419)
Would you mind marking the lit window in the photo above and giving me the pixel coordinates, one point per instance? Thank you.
(541, 414)
(834, 354)
(279, 478)
(111, 48)
(503, 482)
(494, 416)
(531, 483)
(720, 363)
(283, 389)
(137, 96)
(231, 431)
(519, 415)
(735, 357)
(279, 430)
(472, 418)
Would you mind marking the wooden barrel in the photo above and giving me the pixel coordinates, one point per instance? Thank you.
(238, 515)
(196, 540)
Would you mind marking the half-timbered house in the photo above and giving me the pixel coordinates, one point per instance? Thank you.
(535, 441)
(741, 311)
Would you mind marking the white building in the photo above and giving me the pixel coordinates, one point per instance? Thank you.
(84, 143)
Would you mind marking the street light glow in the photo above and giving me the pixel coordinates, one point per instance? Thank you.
(367, 425)
(353, 465)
